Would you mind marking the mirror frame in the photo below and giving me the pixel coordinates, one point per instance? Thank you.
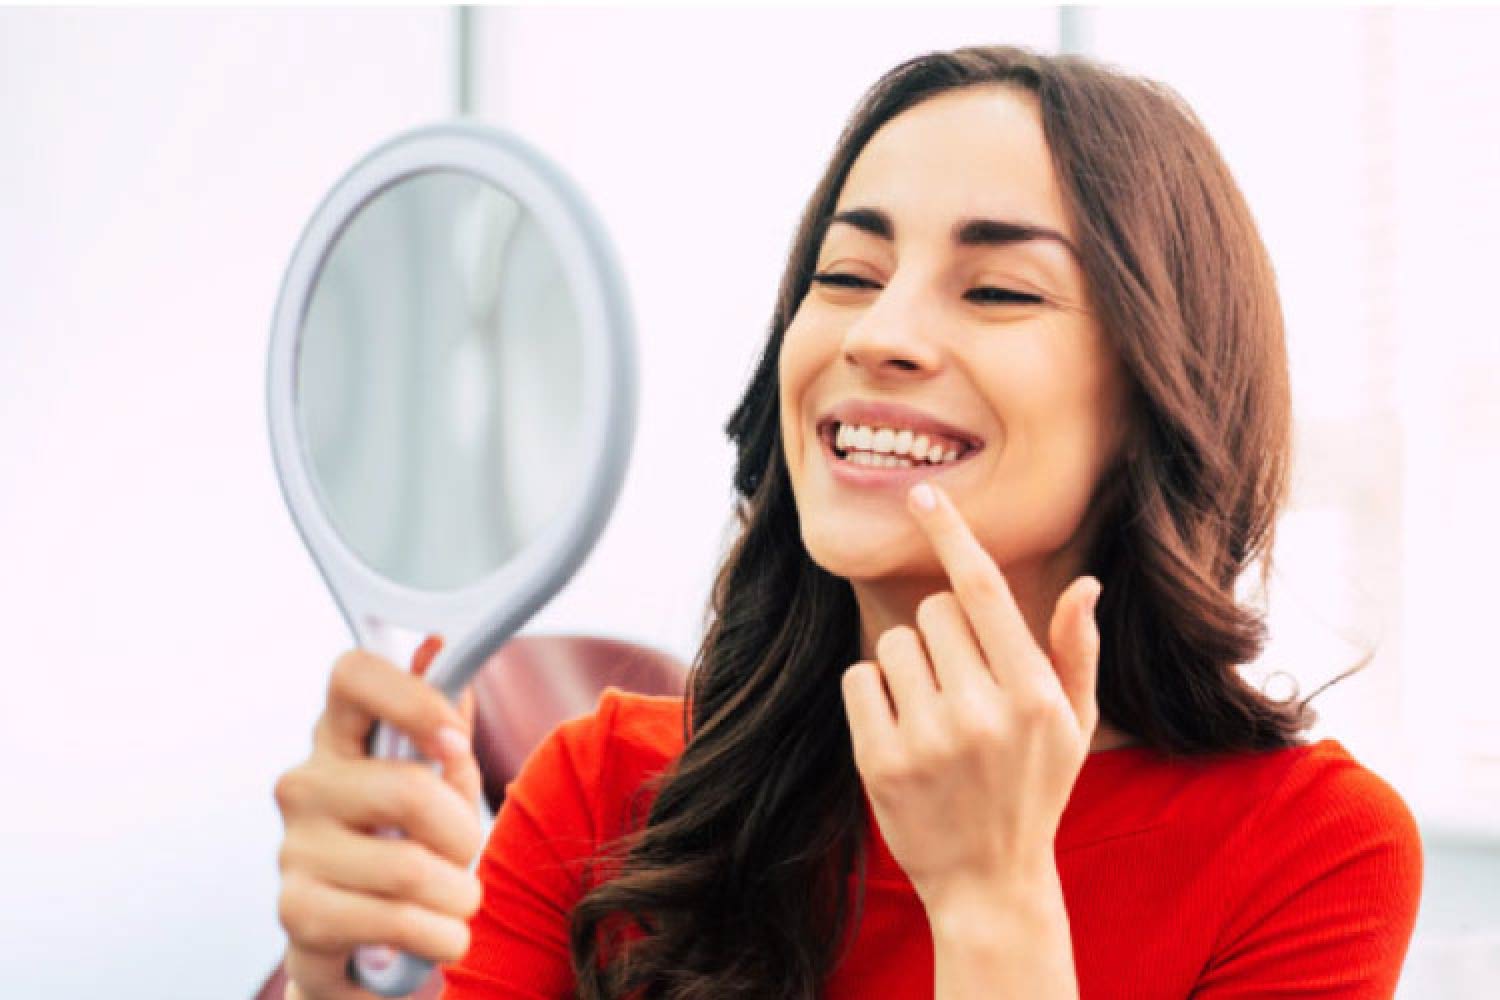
(476, 618)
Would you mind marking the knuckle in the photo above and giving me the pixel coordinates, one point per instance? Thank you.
(409, 797)
(1027, 709)
(453, 941)
(975, 725)
(346, 672)
(931, 747)
(288, 857)
(420, 931)
(295, 911)
(473, 836)
(461, 940)
(290, 790)
(407, 924)
(1036, 708)
(473, 895)
(408, 871)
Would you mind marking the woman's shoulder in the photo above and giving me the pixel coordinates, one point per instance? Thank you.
(609, 752)
(1316, 791)
(1319, 793)
(1326, 852)
(1319, 783)
(648, 727)
(1311, 815)
(584, 775)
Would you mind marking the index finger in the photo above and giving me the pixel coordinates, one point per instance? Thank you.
(365, 688)
(1004, 637)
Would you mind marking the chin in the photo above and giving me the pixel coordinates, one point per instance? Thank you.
(842, 550)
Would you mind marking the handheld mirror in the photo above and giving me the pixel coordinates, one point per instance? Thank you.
(451, 393)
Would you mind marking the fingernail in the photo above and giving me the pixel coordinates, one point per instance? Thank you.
(454, 742)
(923, 496)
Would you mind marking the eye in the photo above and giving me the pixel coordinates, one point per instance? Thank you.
(985, 294)
(843, 280)
(997, 296)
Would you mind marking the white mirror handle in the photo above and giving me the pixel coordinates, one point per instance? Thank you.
(384, 971)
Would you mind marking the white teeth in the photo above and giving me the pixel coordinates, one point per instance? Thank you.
(885, 448)
(880, 461)
(887, 441)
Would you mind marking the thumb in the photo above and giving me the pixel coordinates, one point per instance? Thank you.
(422, 659)
(468, 708)
(1074, 637)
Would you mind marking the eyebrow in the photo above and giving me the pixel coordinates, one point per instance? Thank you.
(966, 232)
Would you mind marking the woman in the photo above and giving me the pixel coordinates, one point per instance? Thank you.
(916, 758)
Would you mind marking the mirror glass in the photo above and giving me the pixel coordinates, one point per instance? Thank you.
(438, 381)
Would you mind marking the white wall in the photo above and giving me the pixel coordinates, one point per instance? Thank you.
(1367, 144)
(166, 635)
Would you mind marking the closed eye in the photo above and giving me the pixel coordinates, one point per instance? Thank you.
(985, 293)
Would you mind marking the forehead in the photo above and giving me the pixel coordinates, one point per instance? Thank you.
(976, 152)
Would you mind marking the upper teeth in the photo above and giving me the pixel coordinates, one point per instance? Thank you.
(885, 440)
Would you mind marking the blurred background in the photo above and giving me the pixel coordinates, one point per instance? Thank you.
(168, 637)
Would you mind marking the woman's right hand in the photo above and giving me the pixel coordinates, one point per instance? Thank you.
(342, 885)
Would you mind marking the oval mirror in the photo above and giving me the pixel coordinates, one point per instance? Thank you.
(451, 395)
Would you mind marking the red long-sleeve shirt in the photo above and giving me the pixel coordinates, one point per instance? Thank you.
(1291, 873)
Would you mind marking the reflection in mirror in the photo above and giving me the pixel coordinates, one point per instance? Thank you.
(438, 381)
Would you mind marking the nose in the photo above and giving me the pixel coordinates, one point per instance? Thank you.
(892, 337)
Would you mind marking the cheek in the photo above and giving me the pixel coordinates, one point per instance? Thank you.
(797, 346)
(1055, 416)
(790, 385)
(797, 365)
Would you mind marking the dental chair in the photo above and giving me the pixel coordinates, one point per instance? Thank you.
(523, 691)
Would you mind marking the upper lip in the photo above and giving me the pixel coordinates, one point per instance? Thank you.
(869, 413)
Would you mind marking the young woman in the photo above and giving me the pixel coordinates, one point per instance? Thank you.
(1028, 344)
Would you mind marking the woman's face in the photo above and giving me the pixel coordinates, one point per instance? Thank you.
(925, 306)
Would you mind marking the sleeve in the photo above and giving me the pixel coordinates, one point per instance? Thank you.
(531, 868)
(1325, 898)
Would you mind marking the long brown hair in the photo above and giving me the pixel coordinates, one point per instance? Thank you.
(737, 884)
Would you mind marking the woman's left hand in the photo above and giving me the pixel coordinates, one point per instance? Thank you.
(971, 760)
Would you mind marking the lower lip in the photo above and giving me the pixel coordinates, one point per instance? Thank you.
(872, 476)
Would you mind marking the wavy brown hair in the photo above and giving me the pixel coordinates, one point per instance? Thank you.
(737, 882)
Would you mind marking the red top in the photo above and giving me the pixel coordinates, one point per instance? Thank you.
(1287, 873)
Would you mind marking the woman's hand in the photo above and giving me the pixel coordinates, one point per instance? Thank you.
(341, 884)
(971, 761)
